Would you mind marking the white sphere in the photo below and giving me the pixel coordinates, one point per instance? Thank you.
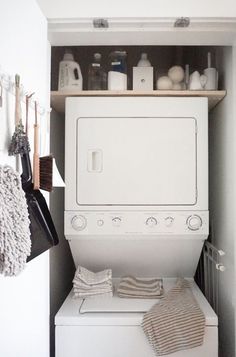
(176, 74)
(164, 83)
(177, 86)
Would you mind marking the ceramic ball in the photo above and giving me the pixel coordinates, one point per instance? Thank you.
(177, 86)
(176, 74)
(164, 83)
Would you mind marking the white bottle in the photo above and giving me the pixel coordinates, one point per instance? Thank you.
(70, 76)
(144, 61)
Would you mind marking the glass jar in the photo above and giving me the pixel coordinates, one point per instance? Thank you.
(97, 78)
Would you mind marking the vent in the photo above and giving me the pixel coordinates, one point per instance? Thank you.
(100, 23)
(182, 22)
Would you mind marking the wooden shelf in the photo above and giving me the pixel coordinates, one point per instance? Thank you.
(214, 97)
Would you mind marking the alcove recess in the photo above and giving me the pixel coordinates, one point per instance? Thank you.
(161, 58)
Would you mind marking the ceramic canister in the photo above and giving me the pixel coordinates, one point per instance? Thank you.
(212, 79)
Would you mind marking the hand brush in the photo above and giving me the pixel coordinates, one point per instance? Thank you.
(46, 172)
(43, 166)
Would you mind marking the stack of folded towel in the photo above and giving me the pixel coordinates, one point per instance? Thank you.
(86, 283)
(131, 287)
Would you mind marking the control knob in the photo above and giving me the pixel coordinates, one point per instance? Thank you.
(116, 221)
(169, 221)
(194, 222)
(100, 222)
(79, 222)
(151, 221)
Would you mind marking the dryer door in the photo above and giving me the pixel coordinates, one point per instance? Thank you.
(155, 157)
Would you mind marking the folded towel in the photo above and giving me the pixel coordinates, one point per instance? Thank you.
(82, 286)
(176, 323)
(91, 278)
(94, 288)
(91, 295)
(87, 283)
(131, 287)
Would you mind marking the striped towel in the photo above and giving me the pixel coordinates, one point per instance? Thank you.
(176, 323)
(131, 287)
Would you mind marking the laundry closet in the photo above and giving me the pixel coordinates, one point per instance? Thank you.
(93, 249)
(149, 177)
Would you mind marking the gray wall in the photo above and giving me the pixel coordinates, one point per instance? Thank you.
(222, 181)
(61, 262)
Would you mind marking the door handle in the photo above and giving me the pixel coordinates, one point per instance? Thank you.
(95, 160)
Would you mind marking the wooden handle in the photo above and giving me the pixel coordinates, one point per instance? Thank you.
(36, 139)
(36, 168)
(36, 171)
(27, 99)
(17, 103)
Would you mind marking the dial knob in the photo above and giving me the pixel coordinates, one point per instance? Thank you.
(169, 221)
(79, 222)
(100, 222)
(116, 221)
(151, 221)
(194, 222)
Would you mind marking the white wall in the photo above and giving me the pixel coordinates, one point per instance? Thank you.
(24, 300)
(149, 8)
(222, 197)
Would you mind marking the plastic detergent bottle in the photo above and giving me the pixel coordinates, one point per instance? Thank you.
(144, 61)
(117, 75)
(97, 79)
(70, 76)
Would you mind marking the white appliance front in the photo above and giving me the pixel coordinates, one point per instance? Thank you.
(136, 153)
(102, 328)
(165, 244)
(118, 157)
(136, 201)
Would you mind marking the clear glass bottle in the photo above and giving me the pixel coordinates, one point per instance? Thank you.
(97, 78)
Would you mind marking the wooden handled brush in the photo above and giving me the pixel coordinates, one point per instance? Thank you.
(42, 166)
(36, 163)
(46, 172)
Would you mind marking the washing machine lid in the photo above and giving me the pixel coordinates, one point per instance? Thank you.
(116, 304)
(70, 314)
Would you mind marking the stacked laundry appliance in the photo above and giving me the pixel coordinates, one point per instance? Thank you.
(136, 201)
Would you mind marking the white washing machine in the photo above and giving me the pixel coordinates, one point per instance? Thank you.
(110, 327)
(136, 201)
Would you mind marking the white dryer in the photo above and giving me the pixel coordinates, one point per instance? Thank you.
(136, 153)
(136, 201)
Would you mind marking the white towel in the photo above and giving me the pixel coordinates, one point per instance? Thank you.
(79, 284)
(87, 283)
(15, 243)
(91, 278)
(91, 295)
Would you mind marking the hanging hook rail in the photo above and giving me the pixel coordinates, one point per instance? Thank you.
(8, 84)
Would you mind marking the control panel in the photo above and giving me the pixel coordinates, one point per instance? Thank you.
(87, 223)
